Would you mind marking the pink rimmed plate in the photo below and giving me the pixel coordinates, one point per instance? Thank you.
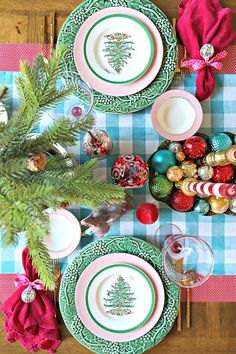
(101, 263)
(64, 235)
(176, 115)
(107, 88)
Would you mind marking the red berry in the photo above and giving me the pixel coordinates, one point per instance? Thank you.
(147, 213)
(177, 247)
(76, 111)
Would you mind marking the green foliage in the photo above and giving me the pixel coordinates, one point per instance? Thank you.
(25, 194)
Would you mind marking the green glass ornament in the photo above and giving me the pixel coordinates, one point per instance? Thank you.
(202, 207)
(160, 186)
(162, 160)
(220, 141)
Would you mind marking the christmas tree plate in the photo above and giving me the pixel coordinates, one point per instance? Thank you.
(98, 265)
(67, 298)
(120, 298)
(145, 97)
(118, 89)
(65, 234)
(118, 48)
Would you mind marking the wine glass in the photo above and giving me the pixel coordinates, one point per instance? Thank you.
(79, 104)
(164, 231)
(188, 261)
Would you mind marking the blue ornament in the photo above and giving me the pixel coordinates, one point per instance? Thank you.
(220, 141)
(162, 160)
(202, 207)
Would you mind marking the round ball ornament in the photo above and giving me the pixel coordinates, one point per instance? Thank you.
(223, 174)
(189, 169)
(232, 205)
(220, 141)
(129, 171)
(28, 295)
(202, 207)
(174, 173)
(182, 202)
(147, 213)
(218, 205)
(162, 160)
(207, 51)
(175, 147)
(194, 147)
(180, 156)
(97, 144)
(160, 186)
(205, 172)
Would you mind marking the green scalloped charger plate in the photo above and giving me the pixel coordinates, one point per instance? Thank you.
(145, 97)
(119, 244)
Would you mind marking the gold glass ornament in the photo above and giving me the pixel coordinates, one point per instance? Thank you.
(189, 169)
(218, 205)
(174, 173)
(180, 156)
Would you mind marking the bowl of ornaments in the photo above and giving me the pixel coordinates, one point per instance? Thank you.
(196, 174)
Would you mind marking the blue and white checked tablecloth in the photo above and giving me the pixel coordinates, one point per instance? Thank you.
(134, 133)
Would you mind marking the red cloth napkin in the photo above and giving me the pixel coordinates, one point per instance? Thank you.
(201, 22)
(34, 325)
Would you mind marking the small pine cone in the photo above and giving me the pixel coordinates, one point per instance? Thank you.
(37, 162)
(64, 205)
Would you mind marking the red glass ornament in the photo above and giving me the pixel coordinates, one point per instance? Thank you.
(177, 247)
(129, 171)
(194, 147)
(222, 174)
(182, 202)
(147, 213)
(76, 111)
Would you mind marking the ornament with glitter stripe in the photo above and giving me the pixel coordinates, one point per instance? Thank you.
(160, 186)
(220, 141)
(218, 205)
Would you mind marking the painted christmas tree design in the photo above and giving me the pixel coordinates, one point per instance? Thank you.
(119, 299)
(118, 50)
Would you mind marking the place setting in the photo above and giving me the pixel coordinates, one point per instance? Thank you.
(118, 192)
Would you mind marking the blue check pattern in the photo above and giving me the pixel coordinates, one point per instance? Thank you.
(134, 133)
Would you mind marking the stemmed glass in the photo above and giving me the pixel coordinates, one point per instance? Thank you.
(80, 104)
(188, 261)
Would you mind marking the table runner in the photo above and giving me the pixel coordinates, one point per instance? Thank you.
(134, 133)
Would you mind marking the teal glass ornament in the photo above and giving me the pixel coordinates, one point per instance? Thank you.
(160, 186)
(220, 141)
(202, 207)
(162, 160)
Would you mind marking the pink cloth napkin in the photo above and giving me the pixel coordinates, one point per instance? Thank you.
(201, 22)
(34, 325)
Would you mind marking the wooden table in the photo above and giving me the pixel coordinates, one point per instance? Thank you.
(213, 324)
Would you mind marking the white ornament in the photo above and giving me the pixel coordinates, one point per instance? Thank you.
(28, 295)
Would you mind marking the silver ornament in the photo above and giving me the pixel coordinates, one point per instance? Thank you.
(175, 147)
(207, 51)
(28, 295)
(97, 144)
(202, 207)
(232, 205)
(205, 172)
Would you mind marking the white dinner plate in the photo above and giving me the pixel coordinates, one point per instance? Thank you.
(120, 298)
(64, 235)
(118, 48)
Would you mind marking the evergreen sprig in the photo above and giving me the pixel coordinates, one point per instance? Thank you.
(25, 194)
